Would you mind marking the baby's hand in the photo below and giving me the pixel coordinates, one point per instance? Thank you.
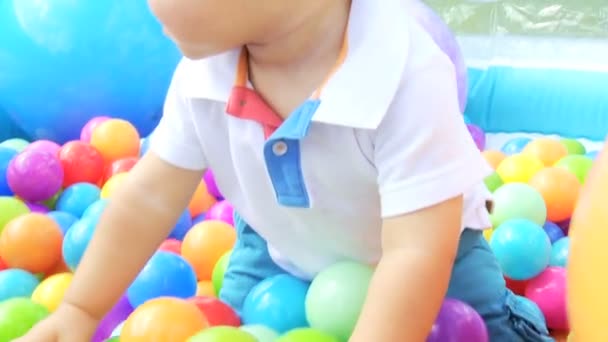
(67, 324)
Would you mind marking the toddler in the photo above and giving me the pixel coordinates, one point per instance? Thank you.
(333, 128)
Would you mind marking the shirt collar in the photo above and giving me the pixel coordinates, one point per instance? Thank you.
(360, 91)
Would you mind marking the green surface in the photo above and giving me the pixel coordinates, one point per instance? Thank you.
(565, 18)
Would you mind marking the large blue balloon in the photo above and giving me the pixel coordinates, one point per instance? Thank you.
(63, 62)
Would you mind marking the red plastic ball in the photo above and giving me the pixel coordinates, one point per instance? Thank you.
(120, 166)
(171, 245)
(517, 286)
(81, 162)
(3, 265)
(217, 312)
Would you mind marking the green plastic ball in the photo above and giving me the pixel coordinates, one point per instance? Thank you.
(16, 144)
(262, 333)
(518, 201)
(335, 298)
(579, 165)
(10, 208)
(217, 276)
(493, 182)
(18, 316)
(223, 334)
(307, 335)
(113, 339)
(574, 146)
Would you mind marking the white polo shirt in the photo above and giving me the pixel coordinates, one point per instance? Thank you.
(386, 138)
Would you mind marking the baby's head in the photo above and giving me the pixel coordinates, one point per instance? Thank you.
(202, 28)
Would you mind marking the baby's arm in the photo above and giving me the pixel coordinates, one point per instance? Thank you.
(139, 217)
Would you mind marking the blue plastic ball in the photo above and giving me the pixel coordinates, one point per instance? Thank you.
(515, 145)
(95, 210)
(77, 240)
(17, 283)
(553, 231)
(278, 303)
(182, 226)
(76, 198)
(63, 219)
(559, 252)
(6, 155)
(165, 275)
(522, 248)
(65, 62)
(198, 219)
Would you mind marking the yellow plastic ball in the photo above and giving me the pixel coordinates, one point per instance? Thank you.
(519, 168)
(205, 289)
(51, 290)
(488, 234)
(112, 184)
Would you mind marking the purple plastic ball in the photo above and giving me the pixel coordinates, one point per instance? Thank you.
(35, 176)
(37, 208)
(478, 136)
(44, 146)
(211, 186)
(117, 315)
(458, 322)
(221, 211)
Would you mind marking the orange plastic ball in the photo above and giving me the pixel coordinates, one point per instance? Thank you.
(31, 242)
(548, 150)
(201, 201)
(493, 157)
(163, 320)
(560, 189)
(205, 244)
(116, 139)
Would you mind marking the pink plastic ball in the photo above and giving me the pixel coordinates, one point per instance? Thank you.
(44, 146)
(211, 186)
(35, 176)
(221, 211)
(89, 127)
(548, 291)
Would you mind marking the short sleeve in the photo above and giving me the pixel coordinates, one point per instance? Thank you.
(423, 151)
(175, 139)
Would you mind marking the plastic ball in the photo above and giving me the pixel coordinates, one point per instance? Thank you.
(547, 150)
(95, 210)
(77, 198)
(223, 334)
(6, 155)
(16, 283)
(44, 146)
(579, 165)
(494, 158)
(116, 139)
(336, 297)
(278, 303)
(112, 184)
(518, 201)
(11, 208)
(478, 135)
(16, 144)
(35, 176)
(201, 201)
(89, 127)
(50, 203)
(51, 290)
(574, 146)
(559, 252)
(81, 162)
(63, 219)
(165, 275)
(120, 166)
(457, 321)
(487, 233)
(522, 248)
(111, 321)
(554, 231)
(519, 168)
(548, 291)
(37, 208)
(262, 333)
(515, 145)
(517, 286)
(198, 219)
(221, 211)
(205, 244)
(209, 179)
(217, 277)
(18, 316)
(163, 319)
(181, 228)
(217, 312)
(31, 242)
(171, 245)
(493, 182)
(559, 188)
(205, 288)
(77, 240)
(306, 335)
